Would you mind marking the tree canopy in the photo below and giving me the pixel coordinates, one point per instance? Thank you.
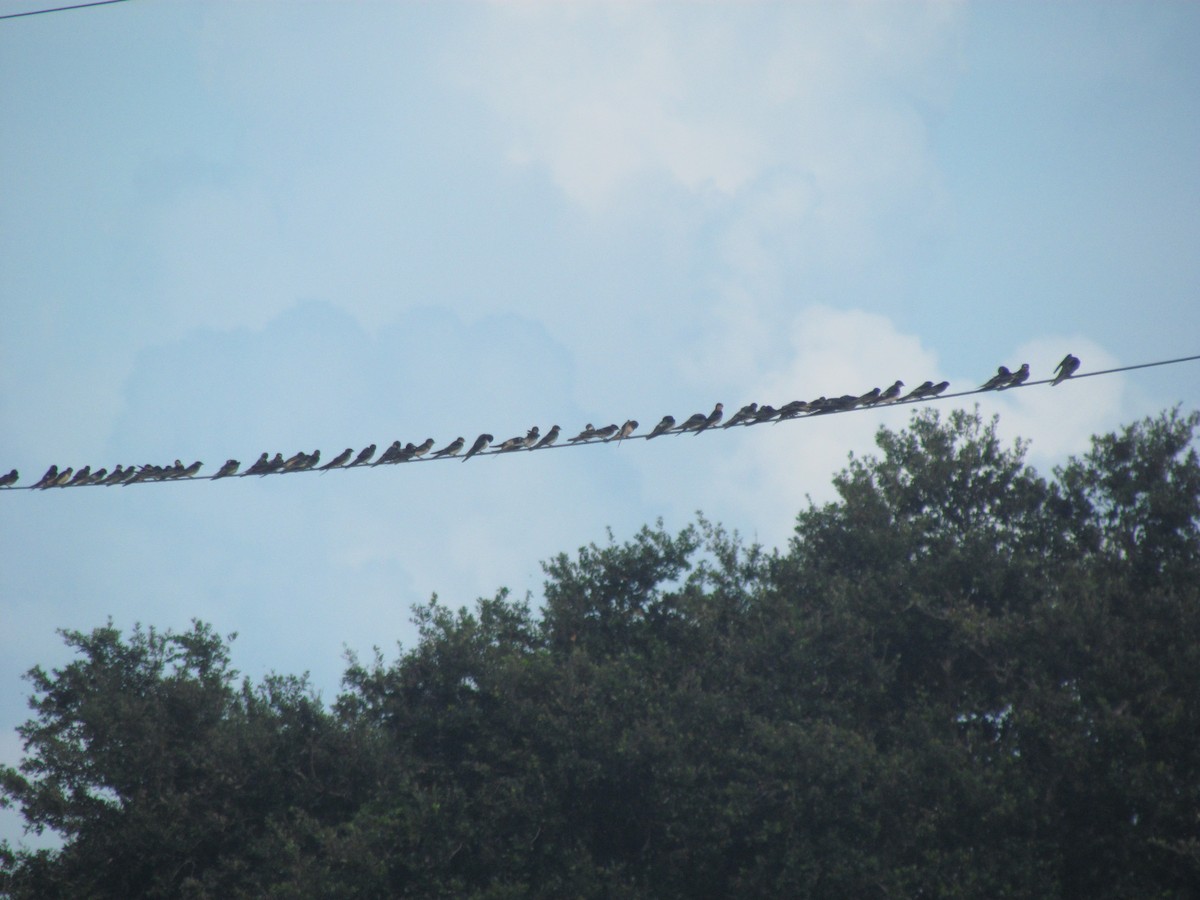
(959, 678)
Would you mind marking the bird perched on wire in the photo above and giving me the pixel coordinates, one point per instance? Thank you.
(550, 438)
(191, 471)
(64, 477)
(520, 443)
(667, 423)
(891, 394)
(309, 461)
(229, 468)
(714, 418)
(390, 455)
(117, 475)
(48, 479)
(589, 432)
(80, 477)
(606, 432)
(627, 429)
(451, 449)
(98, 477)
(422, 448)
(742, 416)
(1065, 369)
(1018, 377)
(764, 414)
(871, 397)
(275, 465)
(338, 461)
(918, 392)
(1002, 376)
(363, 457)
(10, 479)
(259, 466)
(481, 444)
(792, 409)
(937, 389)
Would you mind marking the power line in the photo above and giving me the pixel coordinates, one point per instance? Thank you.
(38, 12)
(648, 436)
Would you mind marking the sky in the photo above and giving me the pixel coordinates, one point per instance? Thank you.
(234, 227)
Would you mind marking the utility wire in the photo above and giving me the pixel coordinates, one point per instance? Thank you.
(676, 433)
(38, 12)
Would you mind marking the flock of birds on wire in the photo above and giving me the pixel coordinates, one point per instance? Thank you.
(751, 414)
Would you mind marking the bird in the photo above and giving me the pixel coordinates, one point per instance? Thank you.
(587, 434)
(421, 449)
(10, 479)
(667, 423)
(606, 432)
(713, 418)
(550, 438)
(259, 467)
(48, 479)
(742, 415)
(117, 475)
(338, 461)
(938, 388)
(143, 473)
(275, 465)
(63, 478)
(98, 476)
(692, 422)
(520, 443)
(1001, 377)
(1018, 377)
(627, 429)
(451, 449)
(479, 446)
(765, 414)
(80, 477)
(792, 409)
(891, 394)
(311, 460)
(871, 397)
(1065, 369)
(408, 452)
(918, 392)
(191, 470)
(390, 455)
(363, 457)
(230, 468)
(295, 462)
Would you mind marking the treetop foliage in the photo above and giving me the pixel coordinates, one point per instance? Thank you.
(959, 678)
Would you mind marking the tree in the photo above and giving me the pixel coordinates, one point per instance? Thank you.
(960, 678)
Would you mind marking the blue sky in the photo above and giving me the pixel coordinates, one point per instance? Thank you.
(229, 228)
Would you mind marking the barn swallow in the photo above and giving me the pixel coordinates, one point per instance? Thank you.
(190, 471)
(80, 477)
(938, 389)
(117, 475)
(693, 422)
(606, 432)
(550, 438)
(258, 467)
(63, 477)
(10, 479)
(479, 446)
(390, 455)
(627, 429)
(363, 457)
(295, 462)
(587, 434)
(764, 414)
(714, 418)
(520, 443)
(918, 392)
(1065, 369)
(409, 451)
(792, 409)
(48, 478)
(742, 415)
(230, 468)
(424, 447)
(871, 397)
(667, 423)
(309, 461)
(276, 464)
(451, 449)
(892, 393)
(338, 461)
(143, 473)
(1018, 377)
(1001, 377)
